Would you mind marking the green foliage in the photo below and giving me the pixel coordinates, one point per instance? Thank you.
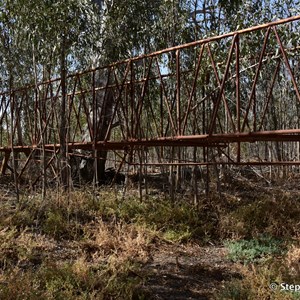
(55, 224)
(38, 31)
(179, 222)
(64, 216)
(253, 250)
(177, 235)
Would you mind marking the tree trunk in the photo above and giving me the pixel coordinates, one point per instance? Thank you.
(101, 113)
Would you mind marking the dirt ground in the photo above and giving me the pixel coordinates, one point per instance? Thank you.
(188, 272)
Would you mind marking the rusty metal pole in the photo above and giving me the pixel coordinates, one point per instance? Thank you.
(178, 108)
(161, 124)
(178, 113)
(12, 131)
(238, 95)
(94, 130)
(286, 60)
(254, 83)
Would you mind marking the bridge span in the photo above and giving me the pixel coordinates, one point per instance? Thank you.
(227, 99)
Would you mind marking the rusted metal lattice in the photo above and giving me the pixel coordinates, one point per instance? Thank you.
(227, 99)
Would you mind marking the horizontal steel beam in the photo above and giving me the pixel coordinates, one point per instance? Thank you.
(289, 135)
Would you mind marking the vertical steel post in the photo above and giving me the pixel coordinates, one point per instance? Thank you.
(238, 94)
(94, 128)
(178, 173)
(178, 109)
(14, 162)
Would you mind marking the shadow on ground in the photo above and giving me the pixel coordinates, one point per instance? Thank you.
(187, 272)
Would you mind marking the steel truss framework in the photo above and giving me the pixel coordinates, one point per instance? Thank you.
(228, 99)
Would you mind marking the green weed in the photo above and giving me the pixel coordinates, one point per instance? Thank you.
(249, 251)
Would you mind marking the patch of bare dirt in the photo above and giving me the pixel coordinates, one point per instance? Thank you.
(188, 272)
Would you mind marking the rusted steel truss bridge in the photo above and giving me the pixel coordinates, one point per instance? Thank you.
(228, 99)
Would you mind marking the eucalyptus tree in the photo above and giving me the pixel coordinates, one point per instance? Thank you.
(130, 28)
(52, 38)
(41, 39)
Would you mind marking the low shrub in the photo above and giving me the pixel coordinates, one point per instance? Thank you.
(253, 250)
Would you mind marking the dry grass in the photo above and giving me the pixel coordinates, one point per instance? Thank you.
(257, 279)
(61, 248)
(293, 260)
(88, 245)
